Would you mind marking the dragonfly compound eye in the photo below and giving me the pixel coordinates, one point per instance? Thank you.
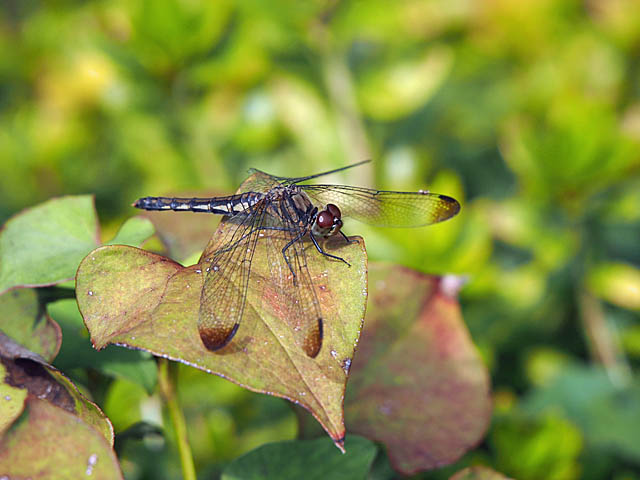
(333, 210)
(325, 219)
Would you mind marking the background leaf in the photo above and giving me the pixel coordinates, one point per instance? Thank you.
(418, 384)
(45, 244)
(23, 318)
(313, 459)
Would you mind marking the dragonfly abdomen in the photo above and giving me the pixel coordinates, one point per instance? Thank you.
(231, 205)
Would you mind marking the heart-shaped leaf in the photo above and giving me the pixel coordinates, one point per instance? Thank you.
(141, 300)
(76, 352)
(309, 459)
(24, 319)
(418, 384)
(44, 244)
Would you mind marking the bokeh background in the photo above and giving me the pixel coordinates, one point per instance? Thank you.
(528, 112)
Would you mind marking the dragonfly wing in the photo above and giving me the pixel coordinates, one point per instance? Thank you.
(294, 296)
(224, 293)
(386, 208)
(258, 181)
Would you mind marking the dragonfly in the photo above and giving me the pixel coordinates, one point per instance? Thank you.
(286, 214)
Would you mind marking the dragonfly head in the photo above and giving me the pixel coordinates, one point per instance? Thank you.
(327, 221)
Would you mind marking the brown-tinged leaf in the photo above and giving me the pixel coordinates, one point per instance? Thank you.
(29, 372)
(25, 320)
(141, 300)
(418, 384)
(48, 442)
(478, 472)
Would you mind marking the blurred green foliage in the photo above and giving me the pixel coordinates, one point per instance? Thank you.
(528, 112)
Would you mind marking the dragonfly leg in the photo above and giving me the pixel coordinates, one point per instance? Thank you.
(284, 253)
(349, 242)
(315, 242)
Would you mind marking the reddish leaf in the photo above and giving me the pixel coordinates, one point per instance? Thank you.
(25, 320)
(50, 442)
(418, 384)
(138, 299)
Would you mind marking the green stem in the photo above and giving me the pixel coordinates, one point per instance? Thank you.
(166, 383)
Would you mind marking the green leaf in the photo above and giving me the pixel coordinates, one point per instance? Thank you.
(12, 403)
(417, 384)
(24, 319)
(43, 245)
(309, 459)
(618, 283)
(546, 447)
(478, 473)
(77, 352)
(607, 413)
(133, 232)
(395, 91)
(141, 300)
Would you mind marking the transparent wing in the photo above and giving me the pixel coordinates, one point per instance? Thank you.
(259, 181)
(227, 270)
(295, 296)
(228, 275)
(292, 180)
(385, 208)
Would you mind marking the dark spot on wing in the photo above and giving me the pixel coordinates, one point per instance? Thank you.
(216, 338)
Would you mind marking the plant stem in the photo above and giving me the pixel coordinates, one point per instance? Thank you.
(603, 341)
(166, 383)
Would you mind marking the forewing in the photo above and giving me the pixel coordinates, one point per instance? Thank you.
(385, 208)
(227, 270)
(259, 181)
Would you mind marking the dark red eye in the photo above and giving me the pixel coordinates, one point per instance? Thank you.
(333, 210)
(324, 220)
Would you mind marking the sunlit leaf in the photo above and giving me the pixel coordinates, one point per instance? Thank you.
(617, 283)
(403, 87)
(138, 299)
(11, 401)
(478, 473)
(25, 320)
(43, 245)
(309, 459)
(418, 384)
(133, 232)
